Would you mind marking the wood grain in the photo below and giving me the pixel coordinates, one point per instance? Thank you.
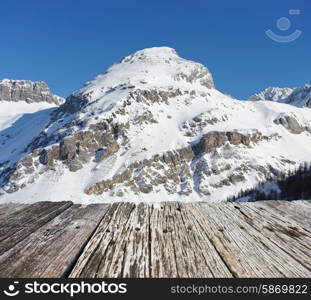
(8, 209)
(247, 251)
(22, 222)
(180, 247)
(285, 233)
(119, 247)
(52, 249)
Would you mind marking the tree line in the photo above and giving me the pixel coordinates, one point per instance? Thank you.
(292, 185)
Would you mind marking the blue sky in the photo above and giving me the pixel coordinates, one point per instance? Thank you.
(67, 42)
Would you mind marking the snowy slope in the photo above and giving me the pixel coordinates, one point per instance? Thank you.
(20, 122)
(154, 128)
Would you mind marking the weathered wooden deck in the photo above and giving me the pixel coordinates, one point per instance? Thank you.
(59, 239)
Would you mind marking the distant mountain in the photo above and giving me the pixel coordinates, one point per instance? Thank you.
(300, 97)
(154, 128)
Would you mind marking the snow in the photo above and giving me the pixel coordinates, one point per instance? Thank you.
(20, 122)
(11, 111)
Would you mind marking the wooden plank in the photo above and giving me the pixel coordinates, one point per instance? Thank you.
(119, 247)
(296, 211)
(137, 255)
(23, 222)
(7, 209)
(52, 249)
(163, 254)
(246, 251)
(288, 235)
(285, 214)
(179, 246)
(303, 202)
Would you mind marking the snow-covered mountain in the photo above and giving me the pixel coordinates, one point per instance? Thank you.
(300, 97)
(153, 128)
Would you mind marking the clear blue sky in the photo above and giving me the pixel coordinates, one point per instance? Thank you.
(67, 42)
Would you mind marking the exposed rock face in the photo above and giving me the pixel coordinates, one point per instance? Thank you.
(216, 139)
(155, 95)
(149, 169)
(26, 90)
(73, 151)
(290, 123)
(200, 74)
(210, 142)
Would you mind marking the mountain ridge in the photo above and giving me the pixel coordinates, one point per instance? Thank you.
(299, 96)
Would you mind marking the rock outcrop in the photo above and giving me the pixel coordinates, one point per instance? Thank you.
(290, 123)
(26, 90)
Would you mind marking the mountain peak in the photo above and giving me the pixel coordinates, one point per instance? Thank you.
(154, 53)
(157, 67)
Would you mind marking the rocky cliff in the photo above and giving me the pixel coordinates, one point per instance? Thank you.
(26, 90)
